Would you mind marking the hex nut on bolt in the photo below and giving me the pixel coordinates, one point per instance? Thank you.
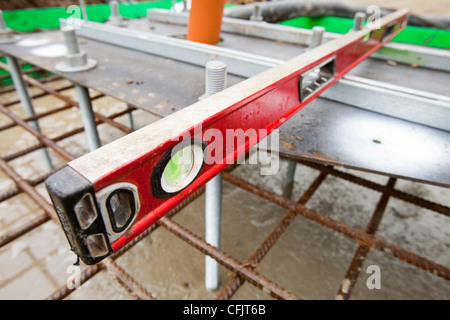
(76, 63)
(75, 60)
(117, 21)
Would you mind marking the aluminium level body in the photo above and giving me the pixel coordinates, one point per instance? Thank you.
(108, 197)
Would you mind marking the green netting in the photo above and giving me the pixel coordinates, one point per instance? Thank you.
(430, 37)
(48, 18)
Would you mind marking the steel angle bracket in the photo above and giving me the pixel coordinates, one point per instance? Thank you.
(108, 197)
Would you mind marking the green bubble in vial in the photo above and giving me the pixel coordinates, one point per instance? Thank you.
(367, 36)
(179, 167)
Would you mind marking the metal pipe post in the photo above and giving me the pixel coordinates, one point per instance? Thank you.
(131, 123)
(87, 114)
(115, 19)
(256, 15)
(289, 181)
(316, 37)
(216, 72)
(25, 99)
(83, 10)
(84, 99)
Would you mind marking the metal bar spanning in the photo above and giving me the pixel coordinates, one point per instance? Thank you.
(248, 65)
(408, 54)
(417, 106)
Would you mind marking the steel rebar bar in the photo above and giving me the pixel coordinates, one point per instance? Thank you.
(357, 234)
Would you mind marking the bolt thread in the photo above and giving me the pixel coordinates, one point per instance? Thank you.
(114, 5)
(358, 21)
(316, 37)
(216, 77)
(256, 15)
(71, 40)
(2, 21)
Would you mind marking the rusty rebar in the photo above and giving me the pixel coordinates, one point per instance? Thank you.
(43, 114)
(36, 222)
(63, 136)
(44, 80)
(356, 234)
(227, 261)
(85, 275)
(27, 188)
(380, 188)
(347, 285)
(12, 235)
(35, 196)
(35, 96)
(127, 281)
(236, 282)
(37, 70)
(42, 138)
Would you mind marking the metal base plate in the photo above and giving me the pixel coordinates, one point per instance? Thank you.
(62, 67)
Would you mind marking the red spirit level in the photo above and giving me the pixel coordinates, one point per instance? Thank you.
(106, 198)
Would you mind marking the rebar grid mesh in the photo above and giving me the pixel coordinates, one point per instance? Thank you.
(241, 272)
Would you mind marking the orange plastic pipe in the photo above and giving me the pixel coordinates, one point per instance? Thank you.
(205, 21)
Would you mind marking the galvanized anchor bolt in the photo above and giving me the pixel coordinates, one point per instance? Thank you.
(216, 81)
(256, 15)
(6, 34)
(216, 77)
(186, 5)
(75, 60)
(115, 19)
(316, 37)
(358, 21)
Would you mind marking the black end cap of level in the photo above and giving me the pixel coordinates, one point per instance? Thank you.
(66, 188)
